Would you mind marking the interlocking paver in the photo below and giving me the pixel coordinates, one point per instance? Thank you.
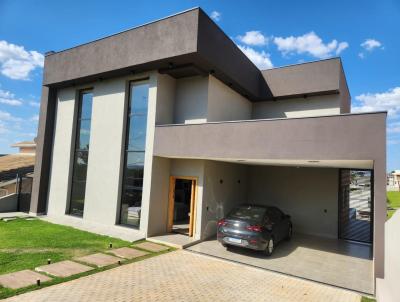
(99, 259)
(128, 253)
(22, 279)
(186, 276)
(64, 268)
(152, 247)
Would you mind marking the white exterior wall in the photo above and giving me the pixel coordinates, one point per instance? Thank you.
(303, 193)
(61, 155)
(298, 107)
(225, 104)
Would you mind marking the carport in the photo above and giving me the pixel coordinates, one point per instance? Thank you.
(304, 166)
(332, 243)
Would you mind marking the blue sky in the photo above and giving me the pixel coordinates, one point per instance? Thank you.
(272, 33)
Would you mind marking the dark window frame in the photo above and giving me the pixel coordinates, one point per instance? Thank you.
(76, 149)
(129, 115)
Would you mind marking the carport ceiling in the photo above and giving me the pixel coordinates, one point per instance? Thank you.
(351, 164)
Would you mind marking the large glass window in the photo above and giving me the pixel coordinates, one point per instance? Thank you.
(81, 154)
(132, 186)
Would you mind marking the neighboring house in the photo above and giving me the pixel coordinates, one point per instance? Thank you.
(169, 125)
(16, 173)
(16, 165)
(393, 180)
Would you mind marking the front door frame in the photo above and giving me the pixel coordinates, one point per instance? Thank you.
(171, 202)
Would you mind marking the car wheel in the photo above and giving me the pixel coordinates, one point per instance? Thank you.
(270, 247)
(290, 232)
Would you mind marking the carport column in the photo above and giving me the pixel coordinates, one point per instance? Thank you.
(379, 215)
(44, 145)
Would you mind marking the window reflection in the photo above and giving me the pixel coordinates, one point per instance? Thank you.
(132, 187)
(81, 154)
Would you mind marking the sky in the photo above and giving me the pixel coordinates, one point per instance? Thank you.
(365, 34)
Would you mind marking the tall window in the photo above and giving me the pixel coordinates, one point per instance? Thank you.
(81, 154)
(131, 202)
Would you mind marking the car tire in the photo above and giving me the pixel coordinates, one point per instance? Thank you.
(290, 232)
(270, 247)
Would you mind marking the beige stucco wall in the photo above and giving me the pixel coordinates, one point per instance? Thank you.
(191, 100)
(225, 104)
(105, 156)
(219, 198)
(387, 289)
(303, 193)
(166, 92)
(61, 155)
(298, 107)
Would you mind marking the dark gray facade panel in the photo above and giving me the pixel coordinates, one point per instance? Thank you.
(347, 137)
(164, 39)
(230, 64)
(307, 78)
(43, 151)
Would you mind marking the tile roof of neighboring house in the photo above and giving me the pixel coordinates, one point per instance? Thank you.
(24, 144)
(13, 164)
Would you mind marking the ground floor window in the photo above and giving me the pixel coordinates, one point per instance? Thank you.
(356, 205)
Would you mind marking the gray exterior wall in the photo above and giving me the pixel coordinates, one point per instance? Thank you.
(303, 193)
(387, 289)
(220, 198)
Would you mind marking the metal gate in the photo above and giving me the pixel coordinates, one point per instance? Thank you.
(356, 205)
(24, 192)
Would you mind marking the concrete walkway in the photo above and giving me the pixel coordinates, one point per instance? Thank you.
(186, 276)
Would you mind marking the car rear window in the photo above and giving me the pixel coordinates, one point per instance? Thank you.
(247, 213)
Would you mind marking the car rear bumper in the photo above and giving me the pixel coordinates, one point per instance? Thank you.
(258, 244)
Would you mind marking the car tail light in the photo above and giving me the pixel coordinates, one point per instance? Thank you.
(222, 222)
(255, 228)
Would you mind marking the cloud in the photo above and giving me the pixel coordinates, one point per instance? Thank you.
(17, 63)
(34, 104)
(8, 98)
(393, 141)
(216, 16)
(371, 44)
(311, 44)
(254, 37)
(393, 127)
(35, 118)
(388, 101)
(8, 117)
(260, 58)
(361, 55)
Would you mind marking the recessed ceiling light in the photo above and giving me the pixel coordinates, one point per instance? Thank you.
(313, 161)
(240, 160)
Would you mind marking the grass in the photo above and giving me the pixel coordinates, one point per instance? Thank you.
(26, 244)
(366, 299)
(393, 201)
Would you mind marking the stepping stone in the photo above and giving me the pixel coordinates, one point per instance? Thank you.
(128, 253)
(64, 268)
(99, 259)
(21, 279)
(152, 247)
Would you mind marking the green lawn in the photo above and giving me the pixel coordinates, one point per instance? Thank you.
(393, 200)
(366, 299)
(26, 244)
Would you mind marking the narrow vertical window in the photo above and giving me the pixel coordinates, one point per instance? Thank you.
(81, 153)
(135, 146)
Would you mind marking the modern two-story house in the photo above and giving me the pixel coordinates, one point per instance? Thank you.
(167, 126)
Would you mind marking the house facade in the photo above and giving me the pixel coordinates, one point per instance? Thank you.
(167, 126)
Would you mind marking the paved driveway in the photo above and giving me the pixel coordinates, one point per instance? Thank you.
(186, 276)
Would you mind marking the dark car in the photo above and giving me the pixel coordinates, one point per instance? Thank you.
(254, 227)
